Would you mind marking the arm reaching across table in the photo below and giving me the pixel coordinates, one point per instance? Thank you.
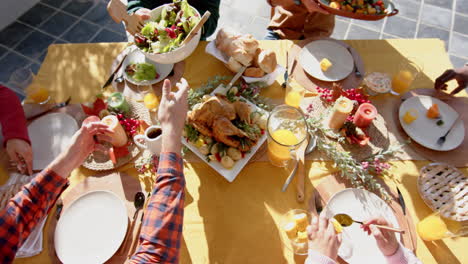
(29, 206)
(162, 223)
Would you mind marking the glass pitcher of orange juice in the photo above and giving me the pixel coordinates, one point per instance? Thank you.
(286, 129)
(435, 227)
(407, 73)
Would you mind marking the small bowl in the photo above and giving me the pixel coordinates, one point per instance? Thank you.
(177, 55)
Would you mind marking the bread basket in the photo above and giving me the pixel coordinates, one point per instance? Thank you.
(389, 6)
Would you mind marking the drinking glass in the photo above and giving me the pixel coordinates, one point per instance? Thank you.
(20, 79)
(294, 94)
(286, 129)
(435, 227)
(407, 73)
(299, 244)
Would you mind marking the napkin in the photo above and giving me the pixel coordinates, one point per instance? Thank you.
(33, 244)
(269, 79)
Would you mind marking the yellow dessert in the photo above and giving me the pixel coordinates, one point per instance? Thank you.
(290, 229)
(434, 227)
(301, 221)
(325, 64)
(301, 237)
(410, 116)
(338, 227)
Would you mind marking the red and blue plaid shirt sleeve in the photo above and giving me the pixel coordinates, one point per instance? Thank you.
(163, 218)
(26, 209)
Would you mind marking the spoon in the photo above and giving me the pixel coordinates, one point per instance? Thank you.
(138, 203)
(119, 79)
(346, 220)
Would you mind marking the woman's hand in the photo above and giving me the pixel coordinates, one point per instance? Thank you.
(460, 75)
(172, 113)
(84, 142)
(323, 238)
(20, 153)
(385, 239)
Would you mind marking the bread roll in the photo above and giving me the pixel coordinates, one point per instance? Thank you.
(267, 61)
(254, 72)
(246, 42)
(233, 65)
(243, 57)
(224, 38)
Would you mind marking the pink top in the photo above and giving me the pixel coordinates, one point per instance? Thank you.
(402, 256)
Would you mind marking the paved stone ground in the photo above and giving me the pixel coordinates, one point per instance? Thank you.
(24, 43)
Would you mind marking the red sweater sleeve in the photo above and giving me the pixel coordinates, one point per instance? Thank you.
(12, 116)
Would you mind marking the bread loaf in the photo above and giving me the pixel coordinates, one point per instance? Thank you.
(267, 61)
(254, 72)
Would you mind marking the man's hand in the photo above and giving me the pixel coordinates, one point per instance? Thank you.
(21, 154)
(460, 75)
(314, 6)
(323, 238)
(385, 239)
(172, 113)
(84, 142)
(143, 14)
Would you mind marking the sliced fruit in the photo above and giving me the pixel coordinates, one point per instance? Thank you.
(433, 112)
(338, 227)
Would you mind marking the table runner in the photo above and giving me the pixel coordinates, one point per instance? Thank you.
(238, 222)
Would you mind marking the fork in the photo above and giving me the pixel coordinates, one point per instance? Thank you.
(118, 11)
(442, 139)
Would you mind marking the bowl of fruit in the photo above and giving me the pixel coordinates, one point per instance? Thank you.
(161, 39)
(360, 9)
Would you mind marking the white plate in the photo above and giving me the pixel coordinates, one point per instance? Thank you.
(50, 135)
(339, 56)
(91, 229)
(137, 57)
(229, 174)
(425, 131)
(361, 205)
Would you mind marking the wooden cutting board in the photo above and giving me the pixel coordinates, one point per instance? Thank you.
(121, 184)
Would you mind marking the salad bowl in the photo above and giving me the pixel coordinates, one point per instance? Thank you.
(177, 54)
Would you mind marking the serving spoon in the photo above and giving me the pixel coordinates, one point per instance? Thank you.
(346, 220)
(138, 202)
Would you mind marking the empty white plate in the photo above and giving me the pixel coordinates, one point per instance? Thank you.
(91, 229)
(137, 57)
(50, 135)
(312, 53)
(361, 205)
(425, 131)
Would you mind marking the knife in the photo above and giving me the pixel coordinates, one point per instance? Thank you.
(234, 79)
(286, 73)
(111, 77)
(401, 201)
(55, 107)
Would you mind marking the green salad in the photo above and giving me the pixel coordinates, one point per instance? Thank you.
(168, 31)
(141, 71)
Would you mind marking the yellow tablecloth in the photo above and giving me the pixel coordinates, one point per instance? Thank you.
(238, 222)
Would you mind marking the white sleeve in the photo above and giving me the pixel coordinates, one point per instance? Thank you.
(403, 256)
(317, 258)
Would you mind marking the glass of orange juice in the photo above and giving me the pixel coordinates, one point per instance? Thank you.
(294, 93)
(37, 94)
(435, 227)
(287, 129)
(407, 73)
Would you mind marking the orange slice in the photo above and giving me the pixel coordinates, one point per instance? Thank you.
(433, 111)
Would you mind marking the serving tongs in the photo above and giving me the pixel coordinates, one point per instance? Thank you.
(196, 28)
